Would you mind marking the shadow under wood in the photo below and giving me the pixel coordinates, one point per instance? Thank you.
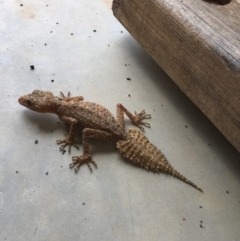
(218, 2)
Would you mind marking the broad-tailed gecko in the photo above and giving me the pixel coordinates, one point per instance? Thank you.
(99, 123)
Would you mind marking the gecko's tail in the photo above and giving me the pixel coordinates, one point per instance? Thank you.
(140, 151)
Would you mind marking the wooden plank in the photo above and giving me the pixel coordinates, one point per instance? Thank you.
(198, 45)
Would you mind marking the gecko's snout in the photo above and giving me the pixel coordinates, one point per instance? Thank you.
(21, 100)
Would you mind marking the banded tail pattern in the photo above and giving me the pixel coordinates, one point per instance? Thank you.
(140, 151)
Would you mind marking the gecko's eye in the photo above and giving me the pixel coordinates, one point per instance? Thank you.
(29, 102)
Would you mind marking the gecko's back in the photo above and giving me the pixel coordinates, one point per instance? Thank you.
(87, 114)
(91, 115)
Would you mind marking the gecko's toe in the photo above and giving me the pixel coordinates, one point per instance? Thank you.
(141, 128)
(67, 142)
(146, 124)
(147, 116)
(62, 147)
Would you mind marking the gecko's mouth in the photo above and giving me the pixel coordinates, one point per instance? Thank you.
(21, 101)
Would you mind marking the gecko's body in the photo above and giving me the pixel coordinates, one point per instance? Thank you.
(99, 123)
(73, 110)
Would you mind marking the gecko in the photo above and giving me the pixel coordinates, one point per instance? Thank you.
(99, 123)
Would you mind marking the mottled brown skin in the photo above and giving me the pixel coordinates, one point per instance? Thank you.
(137, 149)
(97, 121)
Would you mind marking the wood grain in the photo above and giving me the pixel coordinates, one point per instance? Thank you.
(198, 45)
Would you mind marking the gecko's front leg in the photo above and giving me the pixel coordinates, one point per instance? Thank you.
(69, 141)
(86, 157)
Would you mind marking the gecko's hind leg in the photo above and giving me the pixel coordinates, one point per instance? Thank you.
(86, 158)
(136, 119)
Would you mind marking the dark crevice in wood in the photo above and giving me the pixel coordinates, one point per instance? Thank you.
(218, 2)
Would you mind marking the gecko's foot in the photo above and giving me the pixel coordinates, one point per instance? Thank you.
(67, 142)
(63, 96)
(68, 98)
(78, 161)
(138, 120)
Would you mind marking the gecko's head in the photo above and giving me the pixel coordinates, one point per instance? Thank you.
(38, 100)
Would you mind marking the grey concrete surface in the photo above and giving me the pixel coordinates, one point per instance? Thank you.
(41, 198)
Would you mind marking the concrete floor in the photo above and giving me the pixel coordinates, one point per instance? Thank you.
(78, 46)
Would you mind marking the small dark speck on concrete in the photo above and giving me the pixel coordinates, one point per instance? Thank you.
(46, 5)
(186, 126)
(50, 31)
(71, 33)
(46, 173)
(21, 5)
(227, 192)
(201, 221)
(45, 44)
(52, 80)
(94, 30)
(201, 226)
(129, 95)
(36, 142)
(32, 67)
(16, 171)
(83, 204)
(128, 78)
(63, 152)
(56, 23)
(161, 105)
(121, 31)
(200, 206)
